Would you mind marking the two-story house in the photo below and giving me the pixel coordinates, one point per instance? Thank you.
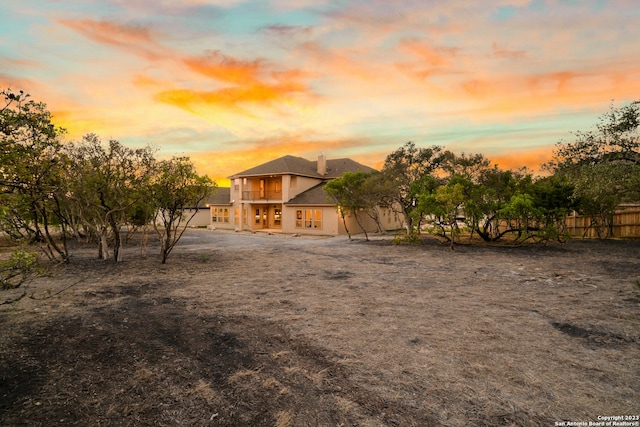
(286, 195)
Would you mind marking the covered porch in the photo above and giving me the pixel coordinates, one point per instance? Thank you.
(265, 217)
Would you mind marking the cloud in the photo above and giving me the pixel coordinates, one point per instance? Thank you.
(233, 98)
(137, 39)
(429, 54)
(506, 53)
(288, 30)
(225, 68)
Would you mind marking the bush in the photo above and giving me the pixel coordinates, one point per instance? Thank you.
(18, 268)
(406, 239)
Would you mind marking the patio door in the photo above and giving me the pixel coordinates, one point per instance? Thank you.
(260, 217)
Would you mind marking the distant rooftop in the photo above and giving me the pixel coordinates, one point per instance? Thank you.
(292, 165)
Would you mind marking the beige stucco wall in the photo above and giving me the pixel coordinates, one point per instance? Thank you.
(302, 184)
(329, 221)
(388, 219)
(224, 225)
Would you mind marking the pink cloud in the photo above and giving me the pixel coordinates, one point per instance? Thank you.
(133, 38)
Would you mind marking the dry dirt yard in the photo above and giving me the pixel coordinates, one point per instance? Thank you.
(244, 329)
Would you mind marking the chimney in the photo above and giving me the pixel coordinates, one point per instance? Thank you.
(322, 164)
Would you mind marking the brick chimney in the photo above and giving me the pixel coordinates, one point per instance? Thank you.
(322, 164)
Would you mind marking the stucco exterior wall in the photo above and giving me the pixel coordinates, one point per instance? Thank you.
(389, 221)
(329, 221)
(300, 184)
(220, 224)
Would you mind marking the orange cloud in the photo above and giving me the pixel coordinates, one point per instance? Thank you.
(225, 68)
(232, 97)
(137, 39)
(432, 56)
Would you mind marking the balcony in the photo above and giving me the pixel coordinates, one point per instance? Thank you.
(266, 195)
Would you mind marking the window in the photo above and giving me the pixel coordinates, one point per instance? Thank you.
(277, 216)
(220, 215)
(309, 218)
(299, 218)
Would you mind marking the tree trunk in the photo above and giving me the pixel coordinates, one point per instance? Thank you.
(355, 215)
(117, 240)
(103, 244)
(344, 222)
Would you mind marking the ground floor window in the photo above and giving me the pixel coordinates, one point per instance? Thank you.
(309, 218)
(220, 215)
(277, 217)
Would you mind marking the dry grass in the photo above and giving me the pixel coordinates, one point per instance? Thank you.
(330, 332)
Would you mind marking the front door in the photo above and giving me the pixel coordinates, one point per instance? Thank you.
(260, 217)
(267, 216)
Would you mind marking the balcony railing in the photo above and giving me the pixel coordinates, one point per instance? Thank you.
(262, 195)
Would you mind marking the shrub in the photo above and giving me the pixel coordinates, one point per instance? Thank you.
(18, 268)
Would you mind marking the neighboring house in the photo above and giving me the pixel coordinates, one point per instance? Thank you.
(286, 195)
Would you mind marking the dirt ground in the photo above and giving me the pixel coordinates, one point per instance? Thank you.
(244, 329)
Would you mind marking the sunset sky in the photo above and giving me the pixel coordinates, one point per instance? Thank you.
(236, 83)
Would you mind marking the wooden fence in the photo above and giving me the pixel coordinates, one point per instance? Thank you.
(626, 224)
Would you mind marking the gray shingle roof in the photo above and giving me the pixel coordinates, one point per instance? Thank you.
(291, 165)
(314, 196)
(221, 197)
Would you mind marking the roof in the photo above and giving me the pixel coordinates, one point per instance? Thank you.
(314, 196)
(292, 165)
(221, 197)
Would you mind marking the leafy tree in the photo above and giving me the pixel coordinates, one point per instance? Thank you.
(603, 165)
(106, 180)
(376, 192)
(31, 174)
(469, 166)
(174, 188)
(553, 199)
(405, 170)
(485, 199)
(350, 193)
(442, 208)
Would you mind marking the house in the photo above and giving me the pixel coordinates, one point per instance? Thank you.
(286, 195)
